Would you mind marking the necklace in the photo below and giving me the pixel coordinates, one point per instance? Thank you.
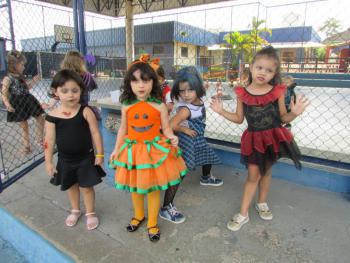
(66, 113)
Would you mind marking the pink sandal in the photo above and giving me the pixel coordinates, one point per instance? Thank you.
(92, 221)
(73, 217)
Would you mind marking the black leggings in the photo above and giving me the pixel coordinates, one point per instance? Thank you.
(171, 191)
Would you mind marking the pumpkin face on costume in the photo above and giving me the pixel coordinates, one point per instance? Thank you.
(141, 128)
(143, 121)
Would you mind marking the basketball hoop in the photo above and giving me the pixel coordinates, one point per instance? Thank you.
(64, 34)
(66, 38)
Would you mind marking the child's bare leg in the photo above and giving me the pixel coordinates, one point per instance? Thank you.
(25, 135)
(89, 200)
(74, 199)
(264, 185)
(250, 187)
(40, 121)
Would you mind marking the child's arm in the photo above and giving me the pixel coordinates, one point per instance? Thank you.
(5, 94)
(170, 107)
(175, 123)
(95, 134)
(236, 117)
(296, 108)
(167, 130)
(50, 140)
(34, 81)
(121, 134)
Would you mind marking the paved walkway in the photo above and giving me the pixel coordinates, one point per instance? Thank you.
(309, 225)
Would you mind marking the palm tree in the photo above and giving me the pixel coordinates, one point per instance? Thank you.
(258, 33)
(244, 46)
(330, 27)
(240, 46)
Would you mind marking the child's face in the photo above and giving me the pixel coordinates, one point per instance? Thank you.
(69, 93)
(186, 93)
(141, 88)
(263, 70)
(20, 67)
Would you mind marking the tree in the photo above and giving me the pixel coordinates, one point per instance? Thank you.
(258, 33)
(244, 46)
(320, 53)
(240, 46)
(330, 27)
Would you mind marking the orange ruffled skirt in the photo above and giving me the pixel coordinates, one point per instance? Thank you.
(147, 166)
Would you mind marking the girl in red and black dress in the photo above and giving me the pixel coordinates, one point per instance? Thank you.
(265, 140)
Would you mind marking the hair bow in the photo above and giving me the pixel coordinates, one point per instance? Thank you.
(146, 58)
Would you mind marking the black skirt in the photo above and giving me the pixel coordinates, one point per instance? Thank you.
(82, 172)
(25, 106)
(270, 157)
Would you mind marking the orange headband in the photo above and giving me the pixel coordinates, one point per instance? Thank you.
(146, 58)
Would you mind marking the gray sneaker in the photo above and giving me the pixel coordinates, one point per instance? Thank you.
(211, 180)
(264, 211)
(171, 214)
(237, 222)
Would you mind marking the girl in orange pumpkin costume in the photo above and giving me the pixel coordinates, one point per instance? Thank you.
(146, 160)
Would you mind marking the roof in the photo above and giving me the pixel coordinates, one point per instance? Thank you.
(297, 45)
(117, 7)
(338, 38)
(284, 34)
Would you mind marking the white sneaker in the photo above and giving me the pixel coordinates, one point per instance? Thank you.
(264, 211)
(237, 222)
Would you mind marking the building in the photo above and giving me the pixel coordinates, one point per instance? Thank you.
(295, 44)
(338, 50)
(175, 43)
(178, 44)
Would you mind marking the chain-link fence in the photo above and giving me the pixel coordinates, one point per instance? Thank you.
(219, 39)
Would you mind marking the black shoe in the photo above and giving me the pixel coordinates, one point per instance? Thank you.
(132, 228)
(154, 237)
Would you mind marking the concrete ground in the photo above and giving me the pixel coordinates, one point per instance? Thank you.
(309, 225)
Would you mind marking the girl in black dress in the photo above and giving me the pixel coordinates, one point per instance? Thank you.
(74, 129)
(265, 140)
(19, 103)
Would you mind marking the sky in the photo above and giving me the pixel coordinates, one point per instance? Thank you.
(37, 19)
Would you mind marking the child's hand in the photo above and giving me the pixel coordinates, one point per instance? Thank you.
(300, 105)
(216, 105)
(190, 132)
(9, 108)
(36, 79)
(45, 106)
(174, 140)
(113, 155)
(50, 169)
(99, 161)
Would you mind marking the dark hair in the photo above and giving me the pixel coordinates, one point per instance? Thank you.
(190, 75)
(269, 52)
(161, 72)
(147, 73)
(65, 75)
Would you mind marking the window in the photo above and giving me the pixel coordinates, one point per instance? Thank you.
(158, 49)
(184, 52)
